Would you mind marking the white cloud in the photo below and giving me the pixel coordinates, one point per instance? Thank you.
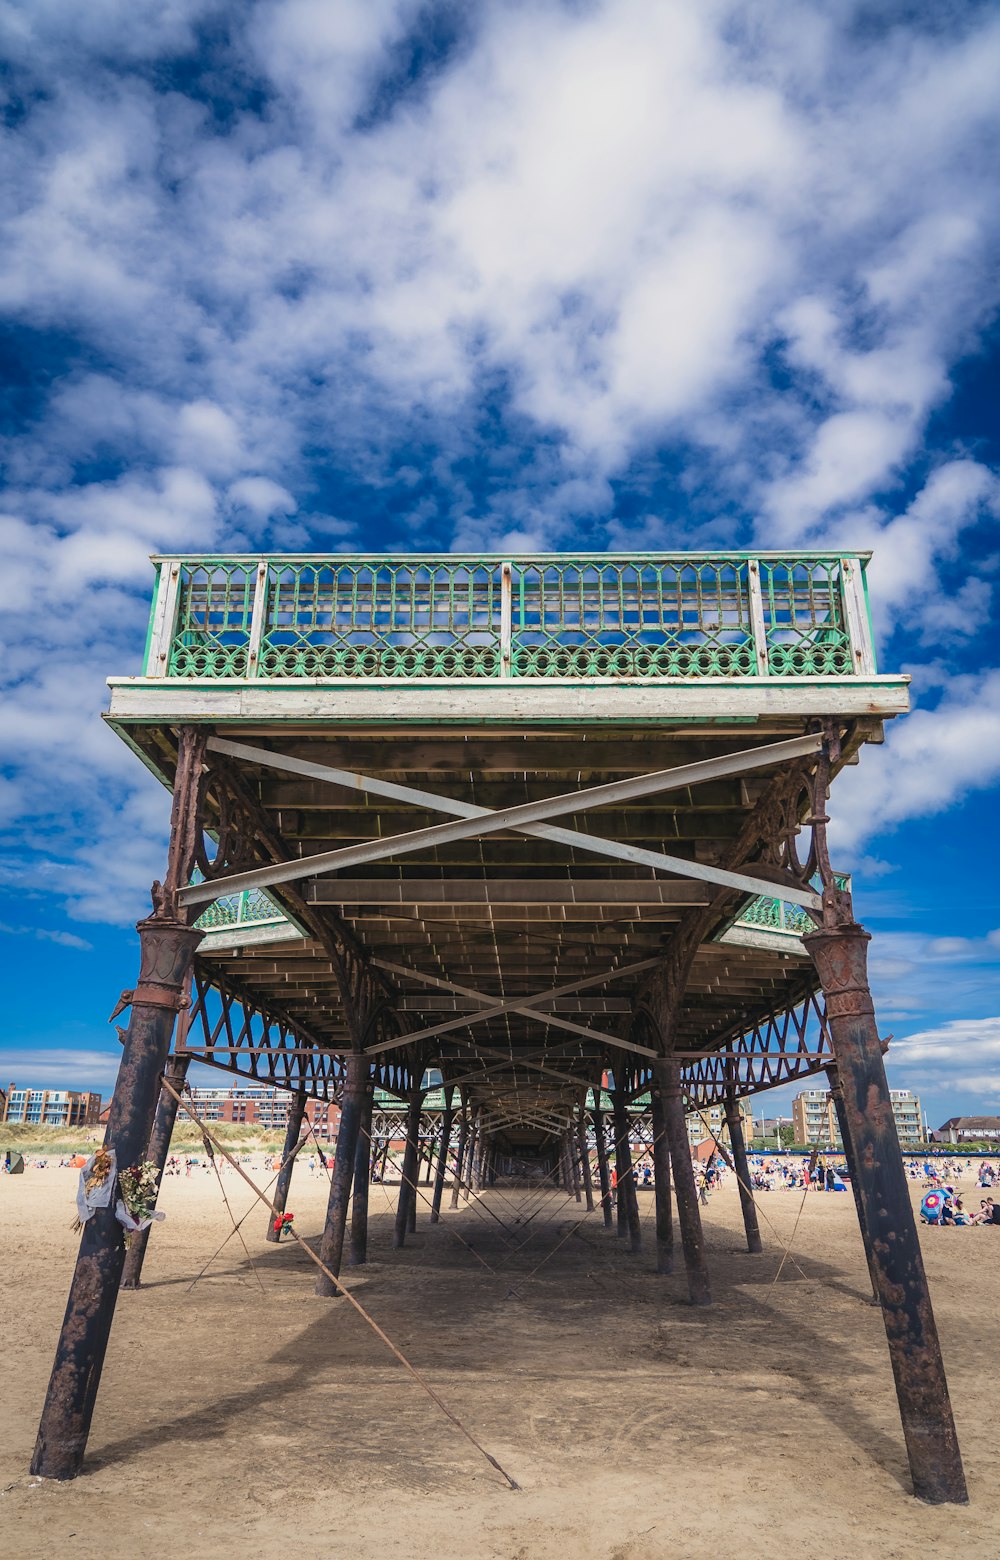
(262, 497)
(930, 760)
(56, 1067)
(45, 934)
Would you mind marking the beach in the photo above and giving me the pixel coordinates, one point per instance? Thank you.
(247, 1418)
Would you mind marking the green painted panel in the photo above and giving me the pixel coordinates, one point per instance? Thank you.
(416, 618)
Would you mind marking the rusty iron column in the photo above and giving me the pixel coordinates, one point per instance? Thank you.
(602, 1163)
(567, 1165)
(628, 1202)
(837, 1095)
(840, 954)
(574, 1164)
(447, 1121)
(174, 1072)
(331, 1248)
(408, 1173)
(618, 1135)
(661, 1188)
(167, 948)
(478, 1158)
(279, 1197)
(584, 1153)
(737, 1144)
(470, 1156)
(357, 1253)
(666, 1077)
(463, 1137)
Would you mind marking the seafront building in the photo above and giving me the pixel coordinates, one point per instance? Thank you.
(262, 1106)
(50, 1107)
(960, 1129)
(815, 1119)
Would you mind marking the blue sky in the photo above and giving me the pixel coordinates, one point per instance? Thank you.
(388, 275)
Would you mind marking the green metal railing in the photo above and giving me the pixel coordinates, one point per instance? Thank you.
(251, 907)
(776, 915)
(712, 615)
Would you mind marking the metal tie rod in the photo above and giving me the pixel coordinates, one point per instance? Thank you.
(473, 822)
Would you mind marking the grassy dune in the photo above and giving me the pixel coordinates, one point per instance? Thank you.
(56, 1141)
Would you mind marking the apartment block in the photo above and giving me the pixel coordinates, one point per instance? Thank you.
(815, 1120)
(50, 1107)
(260, 1105)
(711, 1123)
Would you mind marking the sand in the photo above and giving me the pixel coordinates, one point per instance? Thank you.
(236, 1423)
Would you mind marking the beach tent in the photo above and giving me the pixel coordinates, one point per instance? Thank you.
(12, 1161)
(78, 1161)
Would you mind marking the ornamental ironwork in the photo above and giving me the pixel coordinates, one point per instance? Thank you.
(645, 617)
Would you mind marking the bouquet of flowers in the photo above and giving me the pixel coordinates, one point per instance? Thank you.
(136, 1207)
(96, 1178)
(283, 1222)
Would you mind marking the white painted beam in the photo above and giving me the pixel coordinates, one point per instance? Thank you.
(476, 822)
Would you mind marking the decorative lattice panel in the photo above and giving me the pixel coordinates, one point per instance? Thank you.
(647, 617)
(669, 618)
(806, 632)
(250, 907)
(214, 613)
(382, 619)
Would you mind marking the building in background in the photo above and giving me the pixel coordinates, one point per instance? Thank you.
(968, 1129)
(815, 1120)
(50, 1107)
(261, 1105)
(704, 1125)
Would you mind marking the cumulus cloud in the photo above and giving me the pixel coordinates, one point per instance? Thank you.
(59, 1067)
(930, 760)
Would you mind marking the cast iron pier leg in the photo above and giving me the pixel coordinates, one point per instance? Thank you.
(167, 948)
(331, 1248)
(463, 1135)
(737, 1143)
(357, 1254)
(837, 1095)
(574, 1164)
(159, 1147)
(661, 1189)
(666, 1076)
(840, 955)
(602, 1164)
(471, 1151)
(588, 1179)
(442, 1163)
(279, 1197)
(628, 1202)
(408, 1174)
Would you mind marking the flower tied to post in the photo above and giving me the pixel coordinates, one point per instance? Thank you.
(283, 1222)
(94, 1189)
(136, 1207)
